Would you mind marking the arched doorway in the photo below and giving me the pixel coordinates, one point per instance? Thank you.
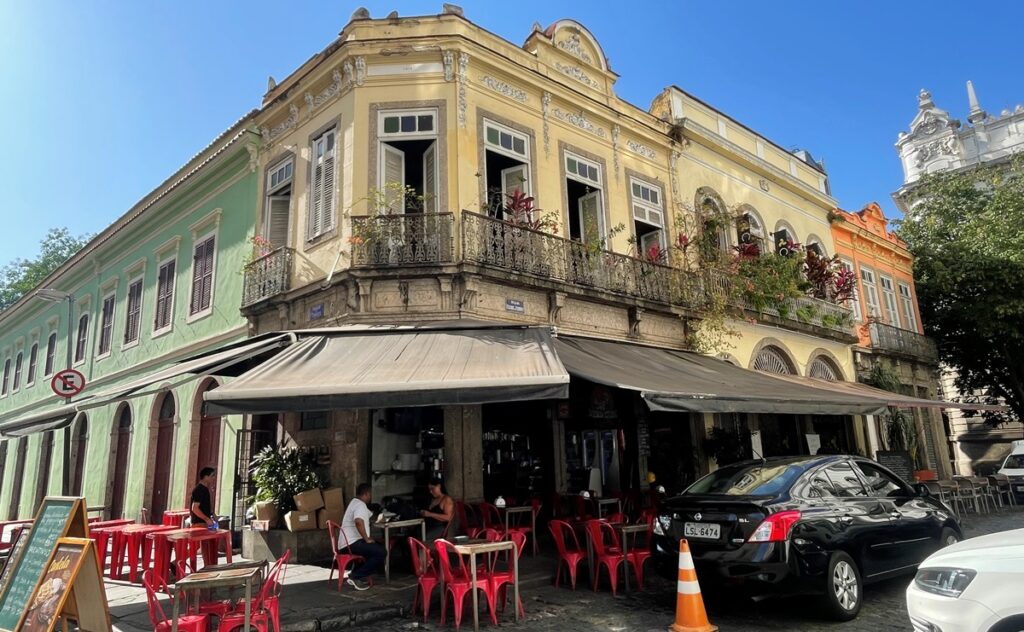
(81, 442)
(122, 449)
(45, 461)
(19, 478)
(208, 449)
(780, 434)
(164, 447)
(835, 432)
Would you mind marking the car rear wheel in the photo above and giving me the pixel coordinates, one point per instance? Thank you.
(844, 590)
(949, 537)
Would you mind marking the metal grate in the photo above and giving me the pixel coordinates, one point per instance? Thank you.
(772, 360)
(822, 368)
(249, 442)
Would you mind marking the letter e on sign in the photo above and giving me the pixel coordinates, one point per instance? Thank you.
(67, 383)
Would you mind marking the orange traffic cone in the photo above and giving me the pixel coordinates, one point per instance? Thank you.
(690, 613)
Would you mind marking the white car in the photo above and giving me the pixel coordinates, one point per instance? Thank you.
(973, 586)
(1013, 467)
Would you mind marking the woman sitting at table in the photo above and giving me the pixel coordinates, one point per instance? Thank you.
(440, 514)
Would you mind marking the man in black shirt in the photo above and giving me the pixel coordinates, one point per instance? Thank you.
(200, 502)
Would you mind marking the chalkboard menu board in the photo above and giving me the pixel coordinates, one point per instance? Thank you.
(26, 566)
(899, 463)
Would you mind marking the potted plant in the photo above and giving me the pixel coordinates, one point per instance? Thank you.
(279, 473)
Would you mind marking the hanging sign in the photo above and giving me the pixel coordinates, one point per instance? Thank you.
(70, 588)
(57, 517)
(67, 383)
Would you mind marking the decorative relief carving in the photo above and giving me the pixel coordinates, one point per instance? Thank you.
(448, 58)
(573, 46)
(578, 74)
(360, 70)
(269, 134)
(674, 177)
(935, 149)
(580, 121)
(546, 108)
(556, 301)
(504, 88)
(463, 69)
(328, 93)
(640, 148)
(636, 316)
(346, 67)
(254, 154)
(764, 185)
(615, 148)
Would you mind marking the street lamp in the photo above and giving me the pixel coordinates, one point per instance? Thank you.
(56, 296)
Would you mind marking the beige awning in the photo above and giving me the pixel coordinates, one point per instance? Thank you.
(393, 367)
(896, 400)
(53, 418)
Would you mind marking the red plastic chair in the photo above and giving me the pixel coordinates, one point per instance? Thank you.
(491, 517)
(491, 535)
(607, 554)
(571, 557)
(427, 577)
(468, 519)
(459, 583)
(640, 551)
(186, 623)
(341, 560)
(267, 603)
(501, 579)
(616, 518)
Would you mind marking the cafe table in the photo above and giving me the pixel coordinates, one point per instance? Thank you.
(133, 540)
(602, 503)
(175, 518)
(103, 535)
(386, 528)
(185, 543)
(625, 531)
(219, 578)
(473, 548)
(508, 511)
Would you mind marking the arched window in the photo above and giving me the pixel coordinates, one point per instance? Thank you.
(51, 354)
(773, 360)
(167, 408)
(7, 376)
(83, 337)
(712, 215)
(749, 230)
(17, 371)
(824, 369)
(81, 442)
(784, 238)
(32, 356)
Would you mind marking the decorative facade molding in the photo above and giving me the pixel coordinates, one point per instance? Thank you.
(925, 153)
(615, 148)
(463, 70)
(254, 155)
(328, 93)
(448, 59)
(504, 88)
(640, 148)
(578, 74)
(674, 177)
(580, 120)
(360, 70)
(573, 46)
(269, 134)
(346, 68)
(545, 109)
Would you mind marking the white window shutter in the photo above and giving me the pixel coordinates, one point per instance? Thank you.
(278, 221)
(394, 179)
(515, 178)
(316, 201)
(430, 179)
(591, 222)
(327, 207)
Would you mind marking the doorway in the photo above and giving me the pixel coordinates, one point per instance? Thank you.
(45, 460)
(19, 478)
(164, 446)
(122, 442)
(208, 451)
(81, 442)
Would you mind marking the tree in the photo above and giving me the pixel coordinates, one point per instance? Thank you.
(21, 276)
(966, 232)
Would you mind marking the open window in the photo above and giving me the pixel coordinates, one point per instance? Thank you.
(750, 231)
(586, 202)
(277, 207)
(648, 220)
(784, 240)
(507, 166)
(408, 161)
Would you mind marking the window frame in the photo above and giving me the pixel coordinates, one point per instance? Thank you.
(400, 135)
(280, 165)
(599, 183)
(206, 311)
(870, 291)
(81, 339)
(106, 325)
(271, 193)
(19, 363)
(907, 303)
(836, 486)
(902, 485)
(637, 201)
(50, 360)
(498, 149)
(33, 364)
(329, 216)
(141, 280)
(161, 330)
(5, 385)
(858, 310)
(893, 312)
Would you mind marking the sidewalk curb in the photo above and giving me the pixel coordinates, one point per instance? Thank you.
(349, 619)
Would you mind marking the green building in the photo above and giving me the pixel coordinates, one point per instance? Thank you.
(160, 284)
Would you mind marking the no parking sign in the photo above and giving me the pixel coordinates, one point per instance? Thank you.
(67, 383)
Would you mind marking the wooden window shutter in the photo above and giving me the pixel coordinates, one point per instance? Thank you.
(277, 220)
(327, 207)
(202, 276)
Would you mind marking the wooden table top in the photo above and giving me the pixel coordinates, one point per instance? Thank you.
(216, 578)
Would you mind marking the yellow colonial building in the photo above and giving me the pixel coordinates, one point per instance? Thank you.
(392, 169)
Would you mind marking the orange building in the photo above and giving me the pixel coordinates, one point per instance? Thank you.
(887, 317)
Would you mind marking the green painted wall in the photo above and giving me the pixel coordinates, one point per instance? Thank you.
(220, 198)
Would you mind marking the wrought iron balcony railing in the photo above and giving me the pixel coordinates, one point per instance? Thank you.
(267, 276)
(902, 341)
(408, 239)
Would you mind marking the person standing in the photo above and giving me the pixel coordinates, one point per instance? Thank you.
(201, 500)
(440, 514)
(356, 527)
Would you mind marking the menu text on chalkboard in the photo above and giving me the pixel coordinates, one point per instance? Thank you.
(899, 463)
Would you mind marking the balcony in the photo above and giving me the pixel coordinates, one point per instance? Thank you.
(903, 342)
(267, 276)
(403, 240)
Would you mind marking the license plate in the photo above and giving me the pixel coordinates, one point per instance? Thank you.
(1020, 488)
(701, 530)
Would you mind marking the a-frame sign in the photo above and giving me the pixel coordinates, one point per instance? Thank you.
(70, 589)
(58, 517)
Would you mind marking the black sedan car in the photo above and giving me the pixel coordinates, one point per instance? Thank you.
(823, 525)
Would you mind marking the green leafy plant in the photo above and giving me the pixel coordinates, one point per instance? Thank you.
(806, 313)
(280, 473)
(389, 200)
(520, 210)
(900, 430)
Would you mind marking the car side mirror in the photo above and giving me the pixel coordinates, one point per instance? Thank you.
(922, 490)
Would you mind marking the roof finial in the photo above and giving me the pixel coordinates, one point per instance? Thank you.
(924, 99)
(977, 114)
(271, 83)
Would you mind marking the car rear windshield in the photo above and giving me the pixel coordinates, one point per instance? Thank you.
(751, 479)
(1014, 462)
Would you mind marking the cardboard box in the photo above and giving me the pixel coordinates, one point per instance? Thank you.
(260, 525)
(266, 511)
(309, 500)
(300, 520)
(334, 498)
(328, 513)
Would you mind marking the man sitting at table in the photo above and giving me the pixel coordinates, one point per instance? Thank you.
(200, 502)
(356, 527)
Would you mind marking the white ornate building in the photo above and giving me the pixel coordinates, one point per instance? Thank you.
(937, 143)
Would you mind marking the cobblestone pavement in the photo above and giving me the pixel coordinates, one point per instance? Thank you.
(562, 610)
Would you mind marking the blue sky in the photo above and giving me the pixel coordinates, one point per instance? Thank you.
(100, 101)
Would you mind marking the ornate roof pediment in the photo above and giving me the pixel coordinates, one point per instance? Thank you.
(573, 51)
(930, 120)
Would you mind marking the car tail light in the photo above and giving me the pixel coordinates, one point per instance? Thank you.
(775, 528)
